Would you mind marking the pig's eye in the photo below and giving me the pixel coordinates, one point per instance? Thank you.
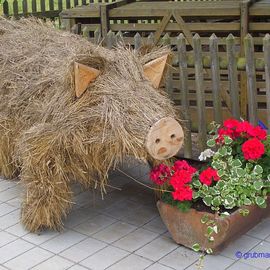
(172, 136)
(157, 140)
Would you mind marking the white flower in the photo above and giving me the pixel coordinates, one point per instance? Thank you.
(207, 153)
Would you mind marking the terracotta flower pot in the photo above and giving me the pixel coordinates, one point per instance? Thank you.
(186, 228)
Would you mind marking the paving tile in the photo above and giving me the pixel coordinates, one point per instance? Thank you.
(180, 258)
(158, 266)
(141, 215)
(243, 244)
(104, 258)
(5, 184)
(211, 262)
(6, 208)
(262, 230)
(241, 266)
(261, 263)
(132, 262)
(3, 268)
(16, 202)
(83, 249)
(157, 248)
(78, 216)
(14, 249)
(114, 232)
(9, 219)
(63, 241)
(135, 240)
(94, 224)
(29, 259)
(54, 263)
(122, 209)
(76, 267)
(11, 193)
(156, 225)
(41, 237)
(17, 230)
(6, 238)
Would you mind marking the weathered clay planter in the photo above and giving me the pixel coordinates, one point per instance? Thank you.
(186, 228)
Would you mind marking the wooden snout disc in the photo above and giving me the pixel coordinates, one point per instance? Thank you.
(164, 139)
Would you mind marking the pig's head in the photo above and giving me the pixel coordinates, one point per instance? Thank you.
(136, 116)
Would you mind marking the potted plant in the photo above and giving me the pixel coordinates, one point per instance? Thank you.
(205, 205)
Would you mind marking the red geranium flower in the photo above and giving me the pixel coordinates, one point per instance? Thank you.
(258, 133)
(183, 193)
(253, 149)
(208, 175)
(183, 165)
(180, 178)
(231, 123)
(160, 174)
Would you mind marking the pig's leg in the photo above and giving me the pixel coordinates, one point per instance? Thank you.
(48, 195)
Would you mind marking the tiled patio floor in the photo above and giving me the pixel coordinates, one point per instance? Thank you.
(122, 232)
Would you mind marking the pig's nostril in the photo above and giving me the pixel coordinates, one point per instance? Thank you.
(172, 136)
(157, 140)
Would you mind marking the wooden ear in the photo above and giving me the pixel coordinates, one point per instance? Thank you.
(154, 70)
(83, 76)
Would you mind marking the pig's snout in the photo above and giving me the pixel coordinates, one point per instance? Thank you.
(164, 139)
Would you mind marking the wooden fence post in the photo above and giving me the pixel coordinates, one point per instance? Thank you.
(266, 47)
(200, 92)
(233, 80)
(6, 8)
(182, 62)
(213, 42)
(251, 79)
(137, 41)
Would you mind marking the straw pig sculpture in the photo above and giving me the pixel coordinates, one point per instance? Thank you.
(71, 110)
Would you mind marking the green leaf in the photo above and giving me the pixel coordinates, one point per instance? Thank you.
(204, 219)
(216, 201)
(196, 183)
(196, 247)
(228, 140)
(236, 163)
(244, 212)
(240, 172)
(258, 185)
(221, 173)
(260, 201)
(258, 169)
(211, 143)
(210, 230)
(247, 201)
(224, 214)
(220, 184)
(184, 206)
(207, 200)
(229, 200)
(222, 151)
(209, 250)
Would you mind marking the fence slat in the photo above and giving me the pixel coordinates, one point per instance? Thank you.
(15, 8)
(76, 3)
(60, 4)
(25, 7)
(42, 6)
(110, 40)
(233, 80)
(251, 79)
(51, 4)
(266, 47)
(68, 4)
(97, 36)
(119, 38)
(182, 62)
(5, 8)
(137, 41)
(200, 92)
(34, 5)
(213, 43)
(150, 39)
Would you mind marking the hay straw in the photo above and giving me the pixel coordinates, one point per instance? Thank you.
(51, 137)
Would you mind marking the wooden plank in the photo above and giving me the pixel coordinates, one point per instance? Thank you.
(174, 27)
(215, 78)
(251, 77)
(6, 8)
(244, 7)
(34, 6)
(184, 27)
(43, 6)
(137, 41)
(60, 4)
(15, 8)
(181, 49)
(162, 26)
(104, 21)
(266, 44)
(200, 93)
(232, 70)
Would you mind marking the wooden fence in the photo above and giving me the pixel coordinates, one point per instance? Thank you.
(205, 82)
